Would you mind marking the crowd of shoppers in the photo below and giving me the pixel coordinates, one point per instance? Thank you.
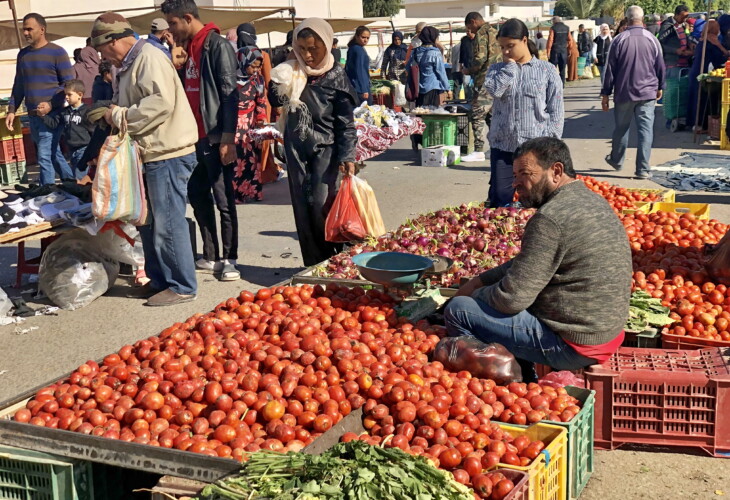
(189, 98)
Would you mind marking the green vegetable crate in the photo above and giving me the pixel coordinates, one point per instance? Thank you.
(29, 475)
(440, 130)
(649, 338)
(580, 441)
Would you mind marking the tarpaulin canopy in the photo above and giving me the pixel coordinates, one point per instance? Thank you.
(81, 27)
(284, 24)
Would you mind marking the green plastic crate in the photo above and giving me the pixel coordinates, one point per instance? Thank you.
(30, 475)
(580, 441)
(440, 130)
(675, 97)
(649, 339)
(12, 173)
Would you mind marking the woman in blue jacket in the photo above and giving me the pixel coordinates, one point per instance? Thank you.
(432, 81)
(357, 66)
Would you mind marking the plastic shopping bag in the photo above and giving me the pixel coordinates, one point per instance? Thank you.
(596, 71)
(367, 207)
(118, 190)
(480, 359)
(399, 97)
(587, 73)
(74, 270)
(343, 223)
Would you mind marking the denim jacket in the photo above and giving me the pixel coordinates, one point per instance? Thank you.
(431, 69)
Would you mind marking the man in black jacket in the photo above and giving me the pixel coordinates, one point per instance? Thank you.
(585, 45)
(210, 84)
(557, 45)
(466, 59)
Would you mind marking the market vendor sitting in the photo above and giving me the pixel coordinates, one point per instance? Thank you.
(564, 299)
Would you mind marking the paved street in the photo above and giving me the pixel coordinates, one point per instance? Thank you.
(269, 253)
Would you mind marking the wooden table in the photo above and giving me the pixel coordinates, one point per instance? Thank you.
(46, 232)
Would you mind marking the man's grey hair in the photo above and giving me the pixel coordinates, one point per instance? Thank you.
(557, 19)
(635, 14)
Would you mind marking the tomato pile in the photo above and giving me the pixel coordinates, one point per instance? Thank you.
(668, 263)
(451, 418)
(276, 369)
(618, 197)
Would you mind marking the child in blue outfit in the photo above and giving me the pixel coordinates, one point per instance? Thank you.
(77, 129)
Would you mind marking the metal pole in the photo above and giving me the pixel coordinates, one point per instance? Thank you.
(697, 127)
(15, 22)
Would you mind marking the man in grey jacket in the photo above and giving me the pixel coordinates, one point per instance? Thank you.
(564, 299)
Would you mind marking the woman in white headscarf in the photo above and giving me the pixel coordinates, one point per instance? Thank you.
(601, 44)
(319, 132)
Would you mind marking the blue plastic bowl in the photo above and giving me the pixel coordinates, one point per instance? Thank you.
(392, 268)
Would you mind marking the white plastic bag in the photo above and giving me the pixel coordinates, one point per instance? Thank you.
(74, 270)
(400, 95)
(5, 304)
(117, 248)
(367, 207)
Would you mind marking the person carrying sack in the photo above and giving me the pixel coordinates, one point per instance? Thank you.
(152, 103)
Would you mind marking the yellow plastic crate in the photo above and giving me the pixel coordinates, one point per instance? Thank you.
(665, 194)
(726, 91)
(549, 472)
(639, 206)
(699, 210)
(16, 133)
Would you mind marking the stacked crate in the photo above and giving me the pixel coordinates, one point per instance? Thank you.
(724, 143)
(12, 154)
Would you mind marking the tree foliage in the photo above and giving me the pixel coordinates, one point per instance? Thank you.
(381, 8)
(582, 9)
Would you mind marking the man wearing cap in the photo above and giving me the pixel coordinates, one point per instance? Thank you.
(159, 36)
(151, 101)
(212, 90)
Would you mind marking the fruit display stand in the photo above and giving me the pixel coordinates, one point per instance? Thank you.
(676, 398)
(549, 472)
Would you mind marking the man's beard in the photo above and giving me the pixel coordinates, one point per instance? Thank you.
(537, 195)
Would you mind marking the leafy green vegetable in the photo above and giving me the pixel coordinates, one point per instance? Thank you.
(352, 471)
(646, 311)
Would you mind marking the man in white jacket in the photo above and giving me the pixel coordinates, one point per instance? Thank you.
(152, 102)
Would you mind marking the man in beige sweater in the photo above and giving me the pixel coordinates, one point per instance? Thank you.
(152, 102)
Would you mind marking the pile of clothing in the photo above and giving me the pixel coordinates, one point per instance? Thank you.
(22, 207)
(379, 127)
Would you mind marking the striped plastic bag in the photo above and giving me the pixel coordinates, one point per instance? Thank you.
(118, 190)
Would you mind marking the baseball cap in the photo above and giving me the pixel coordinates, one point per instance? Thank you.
(159, 24)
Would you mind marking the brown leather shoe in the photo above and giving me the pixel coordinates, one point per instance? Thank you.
(168, 298)
(142, 292)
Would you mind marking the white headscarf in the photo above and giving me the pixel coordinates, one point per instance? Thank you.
(291, 75)
(600, 32)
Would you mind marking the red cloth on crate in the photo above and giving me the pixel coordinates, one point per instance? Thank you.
(601, 353)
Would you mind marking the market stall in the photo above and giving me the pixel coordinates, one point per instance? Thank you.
(354, 374)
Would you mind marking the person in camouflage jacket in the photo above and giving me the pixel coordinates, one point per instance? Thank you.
(486, 52)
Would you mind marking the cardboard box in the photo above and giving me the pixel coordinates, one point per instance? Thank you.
(440, 156)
